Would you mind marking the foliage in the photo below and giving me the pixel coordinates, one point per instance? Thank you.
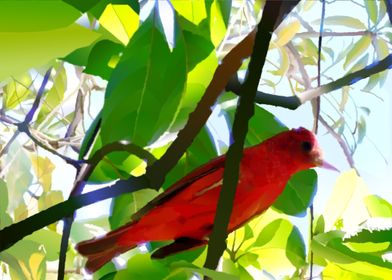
(133, 72)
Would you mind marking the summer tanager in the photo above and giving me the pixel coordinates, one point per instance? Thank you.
(185, 212)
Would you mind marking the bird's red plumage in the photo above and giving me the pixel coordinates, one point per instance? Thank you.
(187, 209)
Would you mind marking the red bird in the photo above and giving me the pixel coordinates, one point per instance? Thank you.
(185, 212)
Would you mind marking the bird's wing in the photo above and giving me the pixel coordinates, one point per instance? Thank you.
(180, 185)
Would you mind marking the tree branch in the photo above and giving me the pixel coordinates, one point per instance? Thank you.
(15, 232)
(347, 80)
(244, 112)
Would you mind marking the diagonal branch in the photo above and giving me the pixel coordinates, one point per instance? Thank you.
(244, 112)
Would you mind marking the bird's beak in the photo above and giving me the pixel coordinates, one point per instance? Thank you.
(329, 166)
(320, 162)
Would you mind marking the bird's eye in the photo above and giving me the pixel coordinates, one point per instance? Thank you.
(306, 146)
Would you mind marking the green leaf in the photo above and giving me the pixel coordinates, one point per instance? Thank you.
(197, 81)
(16, 91)
(84, 5)
(357, 49)
(343, 21)
(268, 233)
(142, 267)
(43, 46)
(81, 55)
(19, 177)
(197, 47)
(295, 249)
(125, 205)
(371, 8)
(298, 194)
(373, 235)
(330, 246)
(309, 49)
(225, 9)
(50, 240)
(279, 239)
(319, 225)
(35, 16)
(256, 132)
(142, 96)
(378, 207)
(102, 58)
(216, 275)
(248, 232)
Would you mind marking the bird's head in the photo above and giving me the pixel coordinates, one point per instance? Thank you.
(305, 147)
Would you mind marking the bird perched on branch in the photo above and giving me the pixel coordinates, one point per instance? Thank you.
(185, 212)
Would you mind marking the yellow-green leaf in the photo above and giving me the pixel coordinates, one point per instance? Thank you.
(43, 168)
(284, 63)
(37, 266)
(217, 24)
(121, 20)
(42, 46)
(343, 21)
(54, 96)
(192, 10)
(371, 8)
(378, 207)
(21, 212)
(35, 15)
(345, 205)
(17, 90)
(307, 4)
(381, 48)
(345, 95)
(356, 50)
(286, 33)
(49, 199)
(382, 51)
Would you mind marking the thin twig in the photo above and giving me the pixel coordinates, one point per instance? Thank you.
(310, 34)
(315, 126)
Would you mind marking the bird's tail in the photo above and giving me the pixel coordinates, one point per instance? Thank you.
(101, 250)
